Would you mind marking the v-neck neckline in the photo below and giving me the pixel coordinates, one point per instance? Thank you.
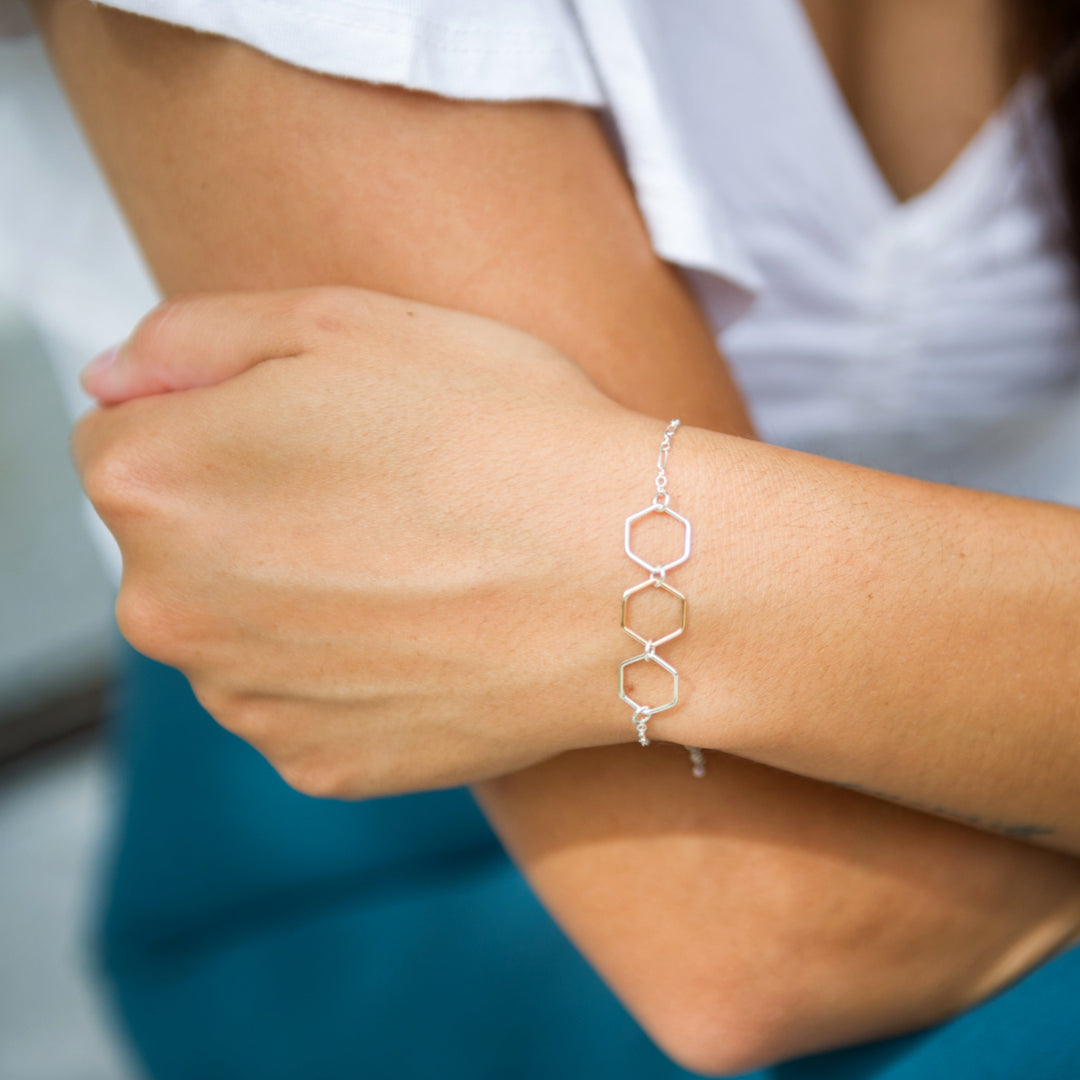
(966, 164)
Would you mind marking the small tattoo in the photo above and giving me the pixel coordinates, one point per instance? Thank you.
(1017, 830)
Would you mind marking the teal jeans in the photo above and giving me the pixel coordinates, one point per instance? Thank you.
(252, 933)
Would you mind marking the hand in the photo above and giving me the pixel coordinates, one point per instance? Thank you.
(386, 551)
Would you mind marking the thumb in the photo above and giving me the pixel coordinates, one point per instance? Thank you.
(195, 341)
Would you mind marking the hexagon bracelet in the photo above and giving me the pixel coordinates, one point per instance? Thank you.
(657, 568)
(654, 583)
(672, 621)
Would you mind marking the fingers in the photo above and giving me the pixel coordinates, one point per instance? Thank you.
(197, 341)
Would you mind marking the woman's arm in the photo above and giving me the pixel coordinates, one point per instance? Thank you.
(689, 897)
(910, 639)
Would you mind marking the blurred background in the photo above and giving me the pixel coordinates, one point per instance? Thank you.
(57, 637)
(56, 642)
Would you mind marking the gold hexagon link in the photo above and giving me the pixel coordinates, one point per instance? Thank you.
(654, 583)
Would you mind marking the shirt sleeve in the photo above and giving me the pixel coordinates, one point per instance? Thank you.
(480, 49)
(593, 53)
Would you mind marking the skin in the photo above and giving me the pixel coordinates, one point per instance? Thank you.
(897, 918)
(919, 77)
(362, 661)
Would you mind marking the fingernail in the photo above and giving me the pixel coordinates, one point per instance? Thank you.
(97, 367)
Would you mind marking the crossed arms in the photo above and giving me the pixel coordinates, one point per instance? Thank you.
(240, 173)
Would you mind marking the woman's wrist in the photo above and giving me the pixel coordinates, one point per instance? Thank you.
(721, 484)
(710, 483)
(908, 639)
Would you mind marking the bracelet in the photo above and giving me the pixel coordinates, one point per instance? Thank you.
(657, 579)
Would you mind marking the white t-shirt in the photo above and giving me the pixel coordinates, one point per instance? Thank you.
(939, 336)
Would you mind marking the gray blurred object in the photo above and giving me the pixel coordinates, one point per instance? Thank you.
(56, 623)
(54, 1024)
(56, 637)
(70, 284)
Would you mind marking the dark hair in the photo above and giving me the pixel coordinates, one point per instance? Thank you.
(1049, 41)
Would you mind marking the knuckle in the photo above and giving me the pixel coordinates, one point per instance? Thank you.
(242, 714)
(115, 481)
(211, 697)
(152, 335)
(317, 775)
(146, 623)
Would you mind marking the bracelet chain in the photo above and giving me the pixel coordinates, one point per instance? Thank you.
(657, 579)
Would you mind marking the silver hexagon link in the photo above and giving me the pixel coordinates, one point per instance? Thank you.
(648, 658)
(654, 583)
(657, 568)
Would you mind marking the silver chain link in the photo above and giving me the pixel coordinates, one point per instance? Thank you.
(661, 504)
(661, 463)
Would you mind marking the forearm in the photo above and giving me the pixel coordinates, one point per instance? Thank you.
(758, 914)
(411, 199)
(609, 831)
(896, 636)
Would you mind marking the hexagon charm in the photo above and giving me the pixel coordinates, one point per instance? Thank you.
(648, 658)
(655, 584)
(656, 568)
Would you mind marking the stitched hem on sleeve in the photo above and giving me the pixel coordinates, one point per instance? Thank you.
(474, 58)
(689, 229)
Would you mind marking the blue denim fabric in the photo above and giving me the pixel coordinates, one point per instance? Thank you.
(252, 933)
